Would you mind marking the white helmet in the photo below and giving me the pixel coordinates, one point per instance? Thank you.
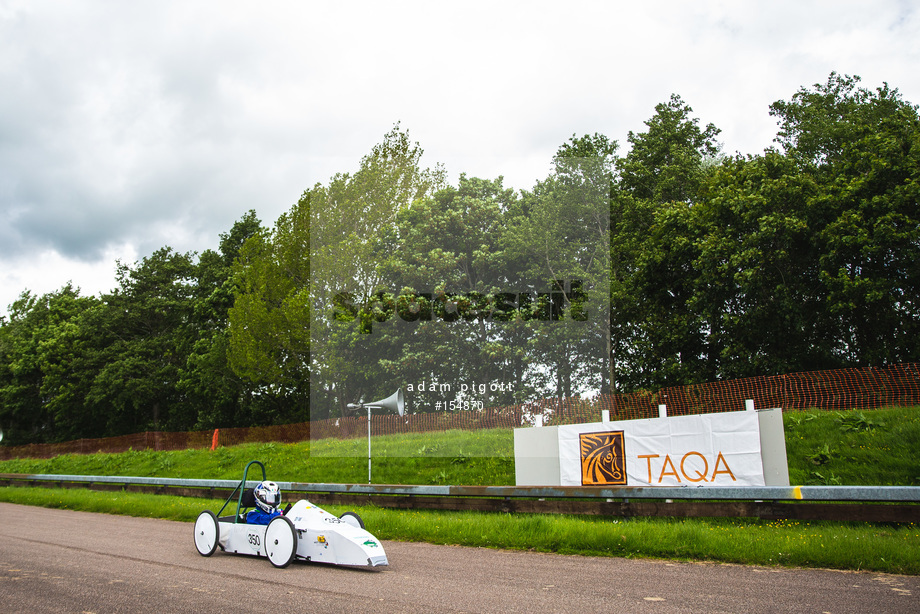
(268, 496)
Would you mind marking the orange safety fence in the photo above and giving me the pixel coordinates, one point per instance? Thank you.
(862, 388)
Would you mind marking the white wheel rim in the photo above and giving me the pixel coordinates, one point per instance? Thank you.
(351, 520)
(205, 534)
(280, 542)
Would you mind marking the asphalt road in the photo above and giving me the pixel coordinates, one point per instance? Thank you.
(75, 562)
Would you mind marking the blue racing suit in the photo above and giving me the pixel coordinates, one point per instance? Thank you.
(257, 516)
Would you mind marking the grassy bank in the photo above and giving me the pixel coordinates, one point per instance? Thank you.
(849, 448)
(452, 457)
(875, 447)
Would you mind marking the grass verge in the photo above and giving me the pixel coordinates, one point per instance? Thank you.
(850, 546)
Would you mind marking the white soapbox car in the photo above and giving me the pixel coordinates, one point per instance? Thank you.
(305, 532)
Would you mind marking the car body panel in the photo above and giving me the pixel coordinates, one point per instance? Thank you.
(322, 537)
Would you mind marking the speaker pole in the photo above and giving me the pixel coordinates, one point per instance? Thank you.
(368, 444)
(395, 401)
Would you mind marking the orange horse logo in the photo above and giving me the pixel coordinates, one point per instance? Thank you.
(603, 459)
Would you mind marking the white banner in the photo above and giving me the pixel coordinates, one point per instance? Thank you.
(704, 450)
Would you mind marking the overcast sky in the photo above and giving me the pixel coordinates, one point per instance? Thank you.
(128, 126)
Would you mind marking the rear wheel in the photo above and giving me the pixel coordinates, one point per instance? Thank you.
(207, 533)
(280, 541)
(352, 519)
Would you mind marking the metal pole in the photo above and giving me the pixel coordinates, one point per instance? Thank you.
(368, 444)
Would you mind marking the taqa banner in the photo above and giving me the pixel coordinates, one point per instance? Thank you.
(705, 450)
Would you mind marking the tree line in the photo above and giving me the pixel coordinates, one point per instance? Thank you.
(662, 262)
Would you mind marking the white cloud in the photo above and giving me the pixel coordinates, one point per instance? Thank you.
(32, 273)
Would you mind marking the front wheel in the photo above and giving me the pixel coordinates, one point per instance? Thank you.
(280, 541)
(207, 533)
(352, 519)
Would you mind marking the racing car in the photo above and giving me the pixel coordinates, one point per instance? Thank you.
(303, 531)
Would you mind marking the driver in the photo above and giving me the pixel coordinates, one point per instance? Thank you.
(268, 497)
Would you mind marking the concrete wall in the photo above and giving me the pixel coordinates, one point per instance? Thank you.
(773, 447)
(536, 456)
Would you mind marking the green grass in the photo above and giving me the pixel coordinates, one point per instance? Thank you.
(452, 457)
(875, 448)
(856, 546)
(850, 448)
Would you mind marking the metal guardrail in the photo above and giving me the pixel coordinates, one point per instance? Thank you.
(864, 494)
(897, 504)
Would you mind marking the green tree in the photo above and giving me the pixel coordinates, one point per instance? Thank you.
(668, 161)
(42, 386)
(668, 343)
(563, 235)
(448, 251)
(269, 341)
(659, 181)
(758, 289)
(220, 396)
(863, 148)
(351, 236)
(142, 342)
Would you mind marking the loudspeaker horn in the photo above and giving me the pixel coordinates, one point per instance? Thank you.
(394, 401)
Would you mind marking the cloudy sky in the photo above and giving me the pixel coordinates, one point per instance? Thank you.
(128, 126)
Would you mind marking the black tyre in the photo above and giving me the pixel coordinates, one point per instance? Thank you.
(352, 519)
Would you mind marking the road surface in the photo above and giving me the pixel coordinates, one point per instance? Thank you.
(76, 562)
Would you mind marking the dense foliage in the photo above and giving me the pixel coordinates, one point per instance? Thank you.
(806, 256)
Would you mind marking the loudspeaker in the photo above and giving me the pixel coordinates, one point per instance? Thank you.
(394, 401)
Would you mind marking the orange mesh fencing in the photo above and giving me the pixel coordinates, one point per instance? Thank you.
(863, 388)
(149, 440)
